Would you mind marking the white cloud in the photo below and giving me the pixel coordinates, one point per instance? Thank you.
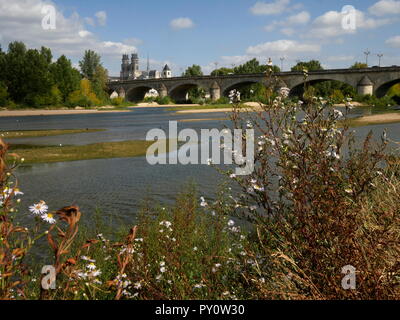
(90, 21)
(301, 18)
(385, 7)
(101, 18)
(270, 8)
(283, 47)
(394, 42)
(22, 21)
(181, 23)
(330, 24)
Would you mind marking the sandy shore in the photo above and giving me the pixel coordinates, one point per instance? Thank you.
(379, 118)
(23, 113)
(218, 110)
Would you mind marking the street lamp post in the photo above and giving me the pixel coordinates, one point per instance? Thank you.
(282, 59)
(380, 55)
(367, 53)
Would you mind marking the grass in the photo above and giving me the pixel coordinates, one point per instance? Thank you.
(43, 133)
(49, 154)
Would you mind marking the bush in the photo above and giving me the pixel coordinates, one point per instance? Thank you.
(164, 101)
(222, 100)
(3, 95)
(314, 199)
(84, 97)
(373, 101)
(337, 96)
(117, 101)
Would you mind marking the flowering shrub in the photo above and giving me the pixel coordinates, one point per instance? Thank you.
(313, 197)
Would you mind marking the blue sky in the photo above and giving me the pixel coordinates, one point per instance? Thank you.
(209, 32)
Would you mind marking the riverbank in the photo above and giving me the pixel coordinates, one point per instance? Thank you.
(376, 119)
(49, 154)
(17, 134)
(41, 112)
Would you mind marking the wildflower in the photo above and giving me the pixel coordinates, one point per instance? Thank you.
(337, 114)
(166, 224)
(85, 258)
(163, 269)
(91, 266)
(195, 249)
(232, 176)
(258, 188)
(39, 208)
(284, 92)
(199, 286)
(203, 202)
(48, 217)
(162, 264)
(137, 285)
(96, 273)
(231, 223)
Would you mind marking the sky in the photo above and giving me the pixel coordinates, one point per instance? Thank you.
(210, 33)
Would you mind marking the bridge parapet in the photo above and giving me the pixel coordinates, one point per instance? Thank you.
(379, 81)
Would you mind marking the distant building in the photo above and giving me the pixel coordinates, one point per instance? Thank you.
(167, 72)
(130, 69)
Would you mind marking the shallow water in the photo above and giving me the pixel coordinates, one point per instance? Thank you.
(118, 186)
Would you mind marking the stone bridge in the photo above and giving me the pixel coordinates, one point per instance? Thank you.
(374, 80)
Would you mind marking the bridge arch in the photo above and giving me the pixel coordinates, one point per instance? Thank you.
(383, 89)
(298, 89)
(137, 94)
(180, 92)
(239, 86)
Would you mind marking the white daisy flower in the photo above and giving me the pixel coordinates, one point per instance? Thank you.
(91, 266)
(48, 217)
(39, 208)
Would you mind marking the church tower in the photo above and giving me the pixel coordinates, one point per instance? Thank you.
(125, 67)
(135, 65)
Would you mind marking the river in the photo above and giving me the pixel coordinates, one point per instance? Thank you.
(117, 187)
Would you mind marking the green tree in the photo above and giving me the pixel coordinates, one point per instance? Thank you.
(254, 66)
(312, 65)
(359, 65)
(91, 60)
(221, 72)
(65, 77)
(39, 81)
(14, 71)
(3, 95)
(99, 82)
(2, 64)
(193, 71)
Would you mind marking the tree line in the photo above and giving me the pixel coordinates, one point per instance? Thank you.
(30, 78)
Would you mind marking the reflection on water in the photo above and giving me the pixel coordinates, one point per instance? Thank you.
(118, 186)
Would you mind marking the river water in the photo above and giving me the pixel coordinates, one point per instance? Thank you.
(117, 187)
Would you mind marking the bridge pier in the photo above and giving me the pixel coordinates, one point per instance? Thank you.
(365, 86)
(121, 93)
(215, 91)
(162, 91)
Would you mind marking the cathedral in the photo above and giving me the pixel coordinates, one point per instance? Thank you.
(130, 69)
